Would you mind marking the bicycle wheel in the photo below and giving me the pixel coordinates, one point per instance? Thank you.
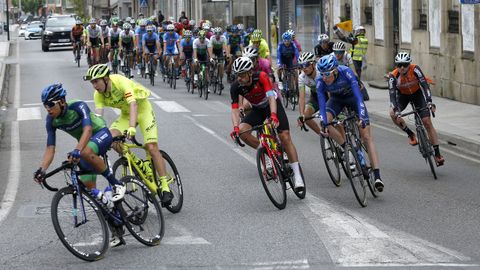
(152, 73)
(368, 173)
(206, 89)
(426, 149)
(175, 80)
(330, 157)
(355, 175)
(79, 224)
(175, 186)
(285, 96)
(218, 86)
(141, 212)
(272, 180)
(200, 86)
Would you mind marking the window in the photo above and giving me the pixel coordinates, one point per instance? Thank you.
(454, 18)
(420, 9)
(368, 11)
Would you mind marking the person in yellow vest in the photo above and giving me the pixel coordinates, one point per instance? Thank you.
(359, 46)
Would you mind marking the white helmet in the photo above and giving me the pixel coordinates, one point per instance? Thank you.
(92, 21)
(250, 52)
(291, 32)
(240, 26)
(306, 57)
(339, 46)
(242, 64)
(357, 29)
(323, 38)
(403, 57)
(170, 27)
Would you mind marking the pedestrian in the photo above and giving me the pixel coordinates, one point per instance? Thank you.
(182, 17)
(160, 17)
(359, 46)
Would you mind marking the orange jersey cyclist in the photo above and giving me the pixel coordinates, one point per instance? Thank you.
(119, 92)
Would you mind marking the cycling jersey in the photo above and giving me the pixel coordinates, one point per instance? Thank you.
(139, 32)
(217, 43)
(94, 32)
(105, 32)
(150, 42)
(77, 31)
(297, 44)
(320, 51)
(256, 94)
(305, 81)
(127, 38)
(114, 36)
(344, 91)
(263, 50)
(187, 47)
(201, 47)
(286, 55)
(170, 40)
(346, 60)
(409, 83)
(123, 92)
(234, 41)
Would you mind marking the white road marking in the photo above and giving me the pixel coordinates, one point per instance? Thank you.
(155, 95)
(352, 240)
(200, 115)
(171, 106)
(294, 264)
(185, 238)
(32, 113)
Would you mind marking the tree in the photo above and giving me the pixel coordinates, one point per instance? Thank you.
(29, 6)
(79, 7)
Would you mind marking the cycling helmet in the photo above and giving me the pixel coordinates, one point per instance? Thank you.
(53, 92)
(187, 34)
(132, 21)
(250, 52)
(286, 36)
(217, 30)
(291, 32)
(339, 46)
(327, 63)
(234, 29)
(178, 26)
(142, 22)
(92, 21)
(78, 22)
(150, 28)
(358, 29)
(128, 19)
(192, 22)
(206, 26)
(202, 34)
(256, 37)
(184, 22)
(323, 38)
(403, 57)
(149, 22)
(229, 28)
(306, 57)
(242, 64)
(140, 15)
(240, 26)
(170, 27)
(127, 26)
(250, 30)
(103, 23)
(97, 72)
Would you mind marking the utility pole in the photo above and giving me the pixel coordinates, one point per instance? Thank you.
(8, 22)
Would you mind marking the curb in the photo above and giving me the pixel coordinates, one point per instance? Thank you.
(447, 140)
(381, 84)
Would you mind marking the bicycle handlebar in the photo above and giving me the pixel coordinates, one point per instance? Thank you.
(65, 165)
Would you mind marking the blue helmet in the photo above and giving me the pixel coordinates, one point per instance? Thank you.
(287, 36)
(234, 29)
(250, 30)
(53, 92)
(327, 63)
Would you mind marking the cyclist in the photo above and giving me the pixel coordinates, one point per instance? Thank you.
(261, 44)
(151, 44)
(234, 49)
(324, 46)
(201, 47)
(308, 79)
(94, 39)
(113, 40)
(287, 54)
(104, 50)
(76, 35)
(94, 138)
(186, 51)
(294, 40)
(259, 64)
(139, 32)
(218, 48)
(171, 43)
(257, 89)
(342, 86)
(208, 30)
(178, 28)
(127, 43)
(404, 85)
(130, 97)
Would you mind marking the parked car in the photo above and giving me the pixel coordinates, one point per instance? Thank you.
(34, 30)
(24, 19)
(56, 31)
(21, 30)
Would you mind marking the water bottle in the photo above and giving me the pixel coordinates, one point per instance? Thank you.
(285, 157)
(108, 194)
(147, 169)
(101, 197)
(361, 158)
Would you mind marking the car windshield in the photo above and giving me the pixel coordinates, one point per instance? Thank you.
(34, 25)
(61, 21)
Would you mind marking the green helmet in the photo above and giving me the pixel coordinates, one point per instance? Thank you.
(97, 72)
(258, 31)
(256, 36)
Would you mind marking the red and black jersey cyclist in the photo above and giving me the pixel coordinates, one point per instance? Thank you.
(404, 86)
(257, 89)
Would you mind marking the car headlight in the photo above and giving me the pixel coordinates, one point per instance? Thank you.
(48, 33)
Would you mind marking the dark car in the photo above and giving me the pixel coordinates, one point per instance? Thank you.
(56, 31)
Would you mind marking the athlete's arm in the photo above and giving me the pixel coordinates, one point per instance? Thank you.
(392, 90)
(133, 114)
(423, 83)
(321, 101)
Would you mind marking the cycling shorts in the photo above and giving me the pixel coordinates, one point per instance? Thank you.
(258, 115)
(145, 119)
(336, 104)
(313, 103)
(170, 51)
(218, 52)
(127, 46)
(188, 55)
(77, 38)
(100, 142)
(151, 49)
(418, 101)
(95, 42)
(202, 57)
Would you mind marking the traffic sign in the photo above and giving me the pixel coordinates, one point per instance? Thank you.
(143, 3)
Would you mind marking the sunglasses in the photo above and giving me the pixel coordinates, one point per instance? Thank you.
(326, 73)
(403, 65)
(50, 104)
(338, 52)
(305, 65)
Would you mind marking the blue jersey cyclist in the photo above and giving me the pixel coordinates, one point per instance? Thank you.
(287, 55)
(171, 43)
(342, 86)
(186, 50)
(94, 138)
(151, 44)
(139, 32)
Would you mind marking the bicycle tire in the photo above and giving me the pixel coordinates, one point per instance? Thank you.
(175, 81)
(285, 97)
(277, 196)
(368, 174)
(330, 154)
(75, 248)
(200, 87)
(356, 177)
(206, 89)
(138, 209)
(177, 188)
(218, 85)
(426, 150)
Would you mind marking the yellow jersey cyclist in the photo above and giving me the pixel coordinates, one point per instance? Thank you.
(257, 41)
(119, 92)
(92, 134)
(404, 86)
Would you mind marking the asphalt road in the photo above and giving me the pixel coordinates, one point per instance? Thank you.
(227, 221)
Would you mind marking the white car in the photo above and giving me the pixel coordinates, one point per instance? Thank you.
(21, 31)
(34, 30)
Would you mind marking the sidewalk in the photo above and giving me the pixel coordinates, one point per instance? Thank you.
(457, 123)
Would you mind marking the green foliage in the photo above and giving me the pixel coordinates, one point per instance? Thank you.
(79, 8)
(29, 6)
